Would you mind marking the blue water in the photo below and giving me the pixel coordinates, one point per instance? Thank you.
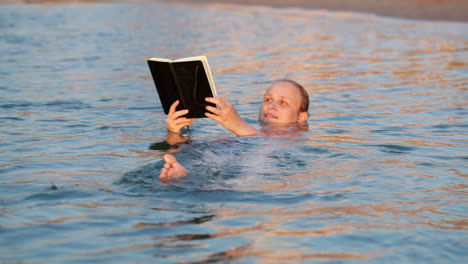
(380, 177)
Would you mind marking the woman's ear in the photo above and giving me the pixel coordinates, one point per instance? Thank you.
(302, 117)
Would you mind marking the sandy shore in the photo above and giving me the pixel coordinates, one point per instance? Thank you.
(448, 10)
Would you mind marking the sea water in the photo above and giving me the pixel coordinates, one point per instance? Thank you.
(379, 177)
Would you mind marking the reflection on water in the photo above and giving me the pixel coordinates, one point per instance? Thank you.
(379, 177)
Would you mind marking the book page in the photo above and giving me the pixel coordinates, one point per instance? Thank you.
(160, 59)
(210, 77)
(197, 58)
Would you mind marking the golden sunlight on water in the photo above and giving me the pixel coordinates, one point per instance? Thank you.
(378, 177)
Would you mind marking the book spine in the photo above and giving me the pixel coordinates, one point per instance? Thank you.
(182, 103)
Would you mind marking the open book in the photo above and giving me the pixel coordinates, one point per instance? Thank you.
(188, 80)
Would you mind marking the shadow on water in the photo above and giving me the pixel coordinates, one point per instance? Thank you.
(236, 169)
(273, 185)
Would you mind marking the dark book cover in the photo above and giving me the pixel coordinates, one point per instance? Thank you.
(186, 81)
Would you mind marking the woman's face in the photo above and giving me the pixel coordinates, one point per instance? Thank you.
(281, 104)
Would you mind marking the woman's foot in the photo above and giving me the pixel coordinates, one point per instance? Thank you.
(172, 168)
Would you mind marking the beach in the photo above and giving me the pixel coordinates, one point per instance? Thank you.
(447, 10)
(444, 10)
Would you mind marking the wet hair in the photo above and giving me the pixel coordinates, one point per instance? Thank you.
(304, 107)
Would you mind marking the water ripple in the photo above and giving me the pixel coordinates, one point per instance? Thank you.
(379, 177)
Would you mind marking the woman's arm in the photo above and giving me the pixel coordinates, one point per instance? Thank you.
(228, 117)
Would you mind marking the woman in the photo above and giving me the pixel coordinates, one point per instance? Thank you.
(285, 106)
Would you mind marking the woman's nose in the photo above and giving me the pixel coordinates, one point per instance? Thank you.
(272, 105)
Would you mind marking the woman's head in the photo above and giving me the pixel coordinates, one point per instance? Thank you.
(284, 102)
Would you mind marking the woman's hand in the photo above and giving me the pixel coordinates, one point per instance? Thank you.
(175, 122)
(227, 116)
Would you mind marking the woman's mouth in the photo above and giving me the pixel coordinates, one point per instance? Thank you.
(270, 116)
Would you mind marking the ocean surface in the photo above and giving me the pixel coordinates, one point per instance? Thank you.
(379, 177)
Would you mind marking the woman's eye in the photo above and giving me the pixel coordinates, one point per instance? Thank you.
(284, 103)
(268, 100)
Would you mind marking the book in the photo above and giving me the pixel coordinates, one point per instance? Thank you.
(188, 80)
